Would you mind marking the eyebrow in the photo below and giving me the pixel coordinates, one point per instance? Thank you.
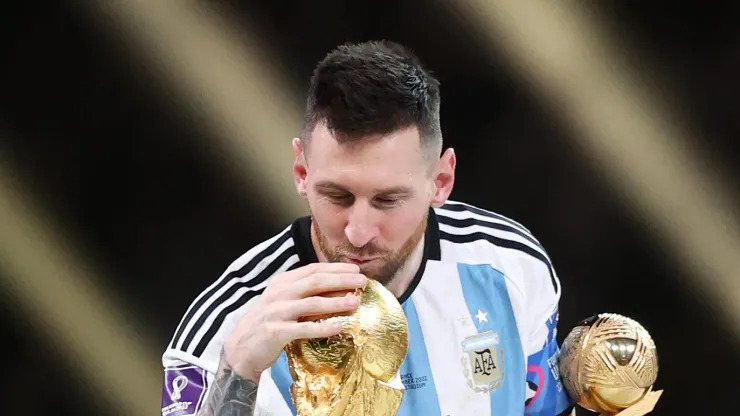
(393, 190)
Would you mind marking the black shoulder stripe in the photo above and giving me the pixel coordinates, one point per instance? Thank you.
(242, 271)
(270, 270)
(484, 213)
(501, 242)
(208, 336)
(469, 222)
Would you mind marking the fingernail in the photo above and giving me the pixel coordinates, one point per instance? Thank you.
(360, 279)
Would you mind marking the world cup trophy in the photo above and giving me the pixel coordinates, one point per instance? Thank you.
(609, 364)
(356, 372)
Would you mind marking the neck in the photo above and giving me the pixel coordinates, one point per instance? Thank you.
(402, 279)
(405, 275)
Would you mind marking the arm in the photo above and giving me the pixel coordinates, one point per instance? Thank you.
(231, 394)
(546, 395)
(265, 324)
(189, 390)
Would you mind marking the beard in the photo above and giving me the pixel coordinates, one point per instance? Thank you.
(388, 262)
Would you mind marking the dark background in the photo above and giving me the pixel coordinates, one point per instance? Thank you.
(115, 160)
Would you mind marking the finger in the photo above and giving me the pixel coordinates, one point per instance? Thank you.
(316, 268)
(309, 330)
(339, 293)
(319, 284)
(317, 306)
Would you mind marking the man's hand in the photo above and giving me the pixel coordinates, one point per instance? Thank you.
(258, 338)
(273, 322)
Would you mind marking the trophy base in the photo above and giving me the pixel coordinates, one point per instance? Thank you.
(643, 407)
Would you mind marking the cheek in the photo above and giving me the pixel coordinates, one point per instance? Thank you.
(330, 217)
(400, 225)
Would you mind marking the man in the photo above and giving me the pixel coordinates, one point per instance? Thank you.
(479, 292)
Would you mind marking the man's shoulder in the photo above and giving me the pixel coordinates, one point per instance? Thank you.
(254, 267)
(259, 256)
(463, 226)
(470, 234)
(463, 214)
(212, 313)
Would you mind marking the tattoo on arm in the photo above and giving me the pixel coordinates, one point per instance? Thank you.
(231, 395)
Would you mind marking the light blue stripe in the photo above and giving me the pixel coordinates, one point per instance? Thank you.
(281, 377)
(472, 344)
(420, 397)
(484, 289)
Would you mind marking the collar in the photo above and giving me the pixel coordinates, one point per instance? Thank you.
(301, 232)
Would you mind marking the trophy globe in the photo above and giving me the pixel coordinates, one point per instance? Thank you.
(356, 372)
(608, 365)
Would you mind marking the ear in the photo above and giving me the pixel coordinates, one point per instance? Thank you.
(299, 167)
(444, 178)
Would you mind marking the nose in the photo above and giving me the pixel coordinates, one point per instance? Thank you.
(361, 227)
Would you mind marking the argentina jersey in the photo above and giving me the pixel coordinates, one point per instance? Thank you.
(465, 354)
(482, 315)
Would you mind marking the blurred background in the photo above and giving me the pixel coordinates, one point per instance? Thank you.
(144, 145)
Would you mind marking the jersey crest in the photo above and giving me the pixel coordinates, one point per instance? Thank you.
(483, 362)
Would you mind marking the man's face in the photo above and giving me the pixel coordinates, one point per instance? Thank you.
(369, 200)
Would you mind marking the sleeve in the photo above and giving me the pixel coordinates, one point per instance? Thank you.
(186, 388)
(188, 378)
(191, 359)
(546, 395)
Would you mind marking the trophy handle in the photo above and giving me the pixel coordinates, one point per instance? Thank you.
(643, 407)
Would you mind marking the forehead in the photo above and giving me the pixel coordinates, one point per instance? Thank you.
(391, 158)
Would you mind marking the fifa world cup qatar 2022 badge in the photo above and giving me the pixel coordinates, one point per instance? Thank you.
(483, 362)
(183, 391)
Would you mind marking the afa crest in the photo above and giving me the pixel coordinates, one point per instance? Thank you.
(483, 362)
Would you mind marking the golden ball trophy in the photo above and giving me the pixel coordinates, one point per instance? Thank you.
(354, 373)
(608, 365)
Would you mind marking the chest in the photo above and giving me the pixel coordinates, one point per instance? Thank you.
(465, 355)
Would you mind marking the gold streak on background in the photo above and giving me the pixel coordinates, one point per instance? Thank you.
(53, 286)
(229, 82)
(572, 63)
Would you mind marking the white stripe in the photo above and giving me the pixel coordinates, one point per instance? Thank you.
(468, 215)
(475, 252)
(259, 267)
(493, 216)
(270, 401)
(508, 261)
(506, 235)
(210, 379)
(233, 317)
(439, 304)
(235, 265)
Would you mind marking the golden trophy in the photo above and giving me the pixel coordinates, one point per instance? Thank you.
(608, 364)
(356, 372)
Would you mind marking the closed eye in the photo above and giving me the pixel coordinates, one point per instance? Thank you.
(387, 202)
(343, 199)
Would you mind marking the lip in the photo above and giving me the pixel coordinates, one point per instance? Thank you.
(360, 261)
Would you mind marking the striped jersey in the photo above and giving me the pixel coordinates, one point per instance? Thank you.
(482, 313)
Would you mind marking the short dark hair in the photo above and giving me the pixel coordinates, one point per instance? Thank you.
(371, 88)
